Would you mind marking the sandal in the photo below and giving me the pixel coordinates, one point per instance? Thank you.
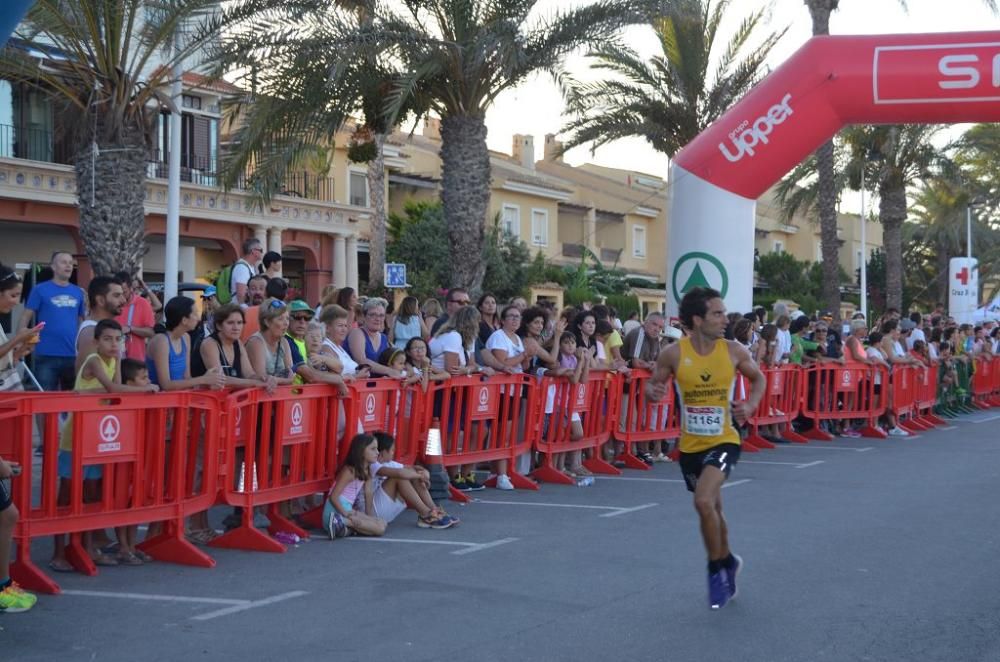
(61, 565)
(582, 471)
(202, 536)
(143, 556)
(104, 560)
(128, 558)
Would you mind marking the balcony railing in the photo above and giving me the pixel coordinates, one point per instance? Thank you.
(205, 172)
(39, 145)
(33, 144)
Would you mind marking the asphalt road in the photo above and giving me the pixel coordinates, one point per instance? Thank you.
(855, 550)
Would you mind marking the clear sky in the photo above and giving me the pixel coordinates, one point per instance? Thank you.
(536, 106)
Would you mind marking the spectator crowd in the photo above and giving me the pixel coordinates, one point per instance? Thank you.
(117, 336)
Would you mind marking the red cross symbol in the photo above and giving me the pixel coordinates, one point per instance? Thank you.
(963, 275)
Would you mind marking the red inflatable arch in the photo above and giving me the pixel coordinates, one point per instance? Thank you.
(828, 83)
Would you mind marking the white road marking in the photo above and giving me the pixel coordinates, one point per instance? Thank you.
(547, 505)
(622, 511)
(647, 480)
(809, 464)
(467, 547)
(985, 420)
(485, 545)
(827, 447)
(736, 482)
(614, 510)
(249, 605)
(784, 464)
(157, 597)
(950, 427)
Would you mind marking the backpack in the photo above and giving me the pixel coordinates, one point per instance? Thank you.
(224, 283)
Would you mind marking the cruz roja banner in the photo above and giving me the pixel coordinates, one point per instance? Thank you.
(963, 288)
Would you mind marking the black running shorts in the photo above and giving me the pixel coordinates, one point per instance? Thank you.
(722, 457)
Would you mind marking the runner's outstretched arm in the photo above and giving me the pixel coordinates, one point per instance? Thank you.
(745, 364)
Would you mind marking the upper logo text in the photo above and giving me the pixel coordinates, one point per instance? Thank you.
(749, 135)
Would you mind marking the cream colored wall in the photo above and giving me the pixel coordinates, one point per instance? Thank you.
(422, 159)
(572, 229)
(399, 196)
(526, 202)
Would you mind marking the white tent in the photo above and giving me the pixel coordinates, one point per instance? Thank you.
(990, 311)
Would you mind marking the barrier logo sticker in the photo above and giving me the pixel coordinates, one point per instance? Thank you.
(484, 400)
(369, 408)
(109, 429)
(237, 420)
(296, 427)
(581, 395)
(698, 269)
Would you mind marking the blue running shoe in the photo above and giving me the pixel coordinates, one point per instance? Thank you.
(718, 589)
(731, 573)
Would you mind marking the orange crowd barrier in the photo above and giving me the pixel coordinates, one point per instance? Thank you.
(983, 382)
(833, 391)
(143, 459)
(905, 381)
(594, 404)
(642, 420)
(484, 419)
(995, 389)
(779, 407)
(165, 457)
(276, 447)
(926, 397)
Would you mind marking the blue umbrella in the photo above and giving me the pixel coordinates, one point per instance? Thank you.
(11, 12)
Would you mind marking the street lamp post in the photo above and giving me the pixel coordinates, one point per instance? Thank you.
(975, 202)
(864, 249)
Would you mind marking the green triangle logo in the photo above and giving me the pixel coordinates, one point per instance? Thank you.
(696, 279)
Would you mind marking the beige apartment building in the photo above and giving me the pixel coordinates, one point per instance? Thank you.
(800, 236)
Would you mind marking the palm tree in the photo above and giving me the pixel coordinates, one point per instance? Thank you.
(104, 71)
(306, 90)
(463, 54)
(827, 193)
(673, 97)
(819, 12)
(939, 230)
(903, 156)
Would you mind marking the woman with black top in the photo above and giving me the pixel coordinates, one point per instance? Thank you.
(223, 349)
(489, 320)
(583, 327)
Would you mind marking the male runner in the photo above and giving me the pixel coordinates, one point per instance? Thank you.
(704, 368)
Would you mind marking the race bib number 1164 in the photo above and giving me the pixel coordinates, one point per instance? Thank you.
(703, 421)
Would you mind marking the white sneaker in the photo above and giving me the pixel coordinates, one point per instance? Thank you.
(898, 432)
(503, 482)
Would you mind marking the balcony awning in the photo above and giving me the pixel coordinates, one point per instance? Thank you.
(39, 51)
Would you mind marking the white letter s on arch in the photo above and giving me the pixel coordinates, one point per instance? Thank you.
(947, 68)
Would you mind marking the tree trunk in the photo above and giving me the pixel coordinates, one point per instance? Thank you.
(465, 194)
(819, 11)
(892, 214)
(376, 188)
(943, 258)
(829, 243)
(111, 189)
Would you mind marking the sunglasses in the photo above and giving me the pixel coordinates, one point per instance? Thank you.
(11, 276)
(302, 318)
(462, 302)
(277, 304)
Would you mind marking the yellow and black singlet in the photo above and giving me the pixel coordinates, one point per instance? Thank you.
(705, 384)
